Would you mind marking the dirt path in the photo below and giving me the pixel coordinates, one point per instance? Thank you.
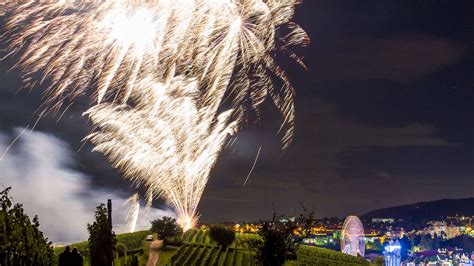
(154, 255)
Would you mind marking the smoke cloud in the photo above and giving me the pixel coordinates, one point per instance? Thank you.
(40, 170)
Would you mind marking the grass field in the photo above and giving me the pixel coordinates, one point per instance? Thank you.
(128, 242)
(308, 255)
(199, 249)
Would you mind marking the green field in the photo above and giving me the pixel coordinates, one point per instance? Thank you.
(308, 255)
(129, 242)
(198, 249)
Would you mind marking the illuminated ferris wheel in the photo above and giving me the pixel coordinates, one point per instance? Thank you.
(352, 237)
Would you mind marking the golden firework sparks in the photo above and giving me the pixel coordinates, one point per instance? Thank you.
(158, 72)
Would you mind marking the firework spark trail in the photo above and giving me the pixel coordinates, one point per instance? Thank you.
(167, 143)
(132, 204)
(110, 45)
(160, 70)
(148, 205)
(253, 167)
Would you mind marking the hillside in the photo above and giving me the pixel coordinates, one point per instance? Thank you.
(425, 211)
(128, 242)
(198, 249)
(308, 255)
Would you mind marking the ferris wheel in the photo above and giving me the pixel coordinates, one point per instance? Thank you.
(352, 237)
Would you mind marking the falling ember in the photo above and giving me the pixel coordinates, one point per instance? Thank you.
(160, 71)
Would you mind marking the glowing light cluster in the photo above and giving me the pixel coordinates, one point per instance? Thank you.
(160, 71)
(352, 237)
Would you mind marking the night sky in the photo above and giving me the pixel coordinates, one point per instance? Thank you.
(384, 117)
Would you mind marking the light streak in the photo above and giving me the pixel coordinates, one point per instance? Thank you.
(13, 143)
(253, 166)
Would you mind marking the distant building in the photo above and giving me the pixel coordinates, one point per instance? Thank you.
(395, 233)
(461, 218)
(383, 220)
(319, 240)
(438, 227)
(453, 231)
(286, 220)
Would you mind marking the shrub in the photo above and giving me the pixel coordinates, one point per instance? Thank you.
(215, 256)
(133, 240)
(308, 255)
(275, 243)
(189, 235)
(178, 253)
(273, 248)
(222, 235)
(207, 257)
(174, 241)
(166, 228)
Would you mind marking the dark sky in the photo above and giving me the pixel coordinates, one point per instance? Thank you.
(384, 117)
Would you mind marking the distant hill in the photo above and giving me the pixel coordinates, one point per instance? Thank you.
(425, 211)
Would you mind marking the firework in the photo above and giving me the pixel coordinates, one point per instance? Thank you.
(132, 205)
(167, 143)
(160, 70)
(110, 45)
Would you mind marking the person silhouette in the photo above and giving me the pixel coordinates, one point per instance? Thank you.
(65, 257)
(76, 258)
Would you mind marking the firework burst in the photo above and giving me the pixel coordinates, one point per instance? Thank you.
(166, 143)
(157, 72)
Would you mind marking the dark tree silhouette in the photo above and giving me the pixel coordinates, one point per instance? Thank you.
(21, 241)
(278, 239)
(222, 234)
(273, 248)
(305, 223)
(165, 227)
(462, 241)
(427, 242)
(417, 240)
(102, 240)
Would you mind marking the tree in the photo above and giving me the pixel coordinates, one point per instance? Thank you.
(427, 242)
(222, 234)
(436, 242)
(102, 240)
(305, 223)
(376, 245)
(280, 237)
(21, 241)
(463, 241)
(278, 241)
(166, 228)
(273, 248)
(417, 240)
